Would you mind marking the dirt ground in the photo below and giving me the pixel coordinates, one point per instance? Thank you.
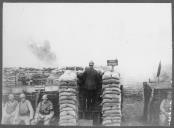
(132, 112)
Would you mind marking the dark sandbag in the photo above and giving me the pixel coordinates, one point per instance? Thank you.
(68, 102)
(111, 118)
(111, 96)
(111, 81)
(109, 78)
(112, 115)
(112, 112)
(110, 86)
(116, 100)
(111, 108)
(64, 113)
(111, 104)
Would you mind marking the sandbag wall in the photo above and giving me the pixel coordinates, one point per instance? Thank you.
(111, 99)
(68, 100)
(9, 78)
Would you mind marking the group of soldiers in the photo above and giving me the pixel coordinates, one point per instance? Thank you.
(15, 112)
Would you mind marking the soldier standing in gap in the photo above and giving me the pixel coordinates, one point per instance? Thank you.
(9, 110)
(25, 111)
(91, 85)
(44, 111)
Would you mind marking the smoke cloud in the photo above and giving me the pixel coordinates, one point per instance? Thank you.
(43, 52)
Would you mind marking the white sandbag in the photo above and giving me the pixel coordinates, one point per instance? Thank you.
(68, 76)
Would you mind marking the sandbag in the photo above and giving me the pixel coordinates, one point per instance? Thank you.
(67, 109)
(67, 98)
(109, 74)
(111, 101)
(112, 112)
(111, 92)
(104, 108)
(63, 113)
(110, 81)
(67, 105)
(68, 76)
(65, 117)
(68, 92)
(110, 86)
(68, 102)
(112, 89)
(111, 96)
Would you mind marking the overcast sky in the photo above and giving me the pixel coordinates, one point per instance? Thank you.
(139, 35)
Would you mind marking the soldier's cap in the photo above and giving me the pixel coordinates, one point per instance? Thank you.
(44, 97)
(22, 95)
(91, 63)
(10, 96)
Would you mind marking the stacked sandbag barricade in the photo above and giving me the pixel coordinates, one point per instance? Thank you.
(111, 99)
(9, 78)
(68, 99)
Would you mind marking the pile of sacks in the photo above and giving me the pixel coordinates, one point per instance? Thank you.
(111, 99)
(9, 79)
(68, 102)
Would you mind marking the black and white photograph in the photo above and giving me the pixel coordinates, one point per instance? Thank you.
(87, 64)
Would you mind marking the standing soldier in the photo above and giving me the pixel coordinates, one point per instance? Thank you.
(44, 111)
(25, 111)
(9, 110)
(91, 86)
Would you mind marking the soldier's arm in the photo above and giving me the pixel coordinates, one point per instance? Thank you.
(15, 108)
(17, 111)
(52, 110)
(162, 107)
(30, 109)
(4, 110)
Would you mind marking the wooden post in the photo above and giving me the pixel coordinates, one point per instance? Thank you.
(112, 68)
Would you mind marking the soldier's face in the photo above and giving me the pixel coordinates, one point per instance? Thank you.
(23, 99)
(11, 98)
(91, 66)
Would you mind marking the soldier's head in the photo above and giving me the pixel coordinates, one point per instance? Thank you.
(11, 97)
(22, 97)
(169, 95)
(91, 64)
(44, 97)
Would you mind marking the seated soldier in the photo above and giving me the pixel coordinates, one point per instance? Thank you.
(8, 114)
(165, 110)
(24, 111)
(44, 111)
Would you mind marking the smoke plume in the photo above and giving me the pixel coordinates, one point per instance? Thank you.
(43, 52)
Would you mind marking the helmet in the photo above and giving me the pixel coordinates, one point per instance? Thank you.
(91, 63)
(44, 97)
(22, 95)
